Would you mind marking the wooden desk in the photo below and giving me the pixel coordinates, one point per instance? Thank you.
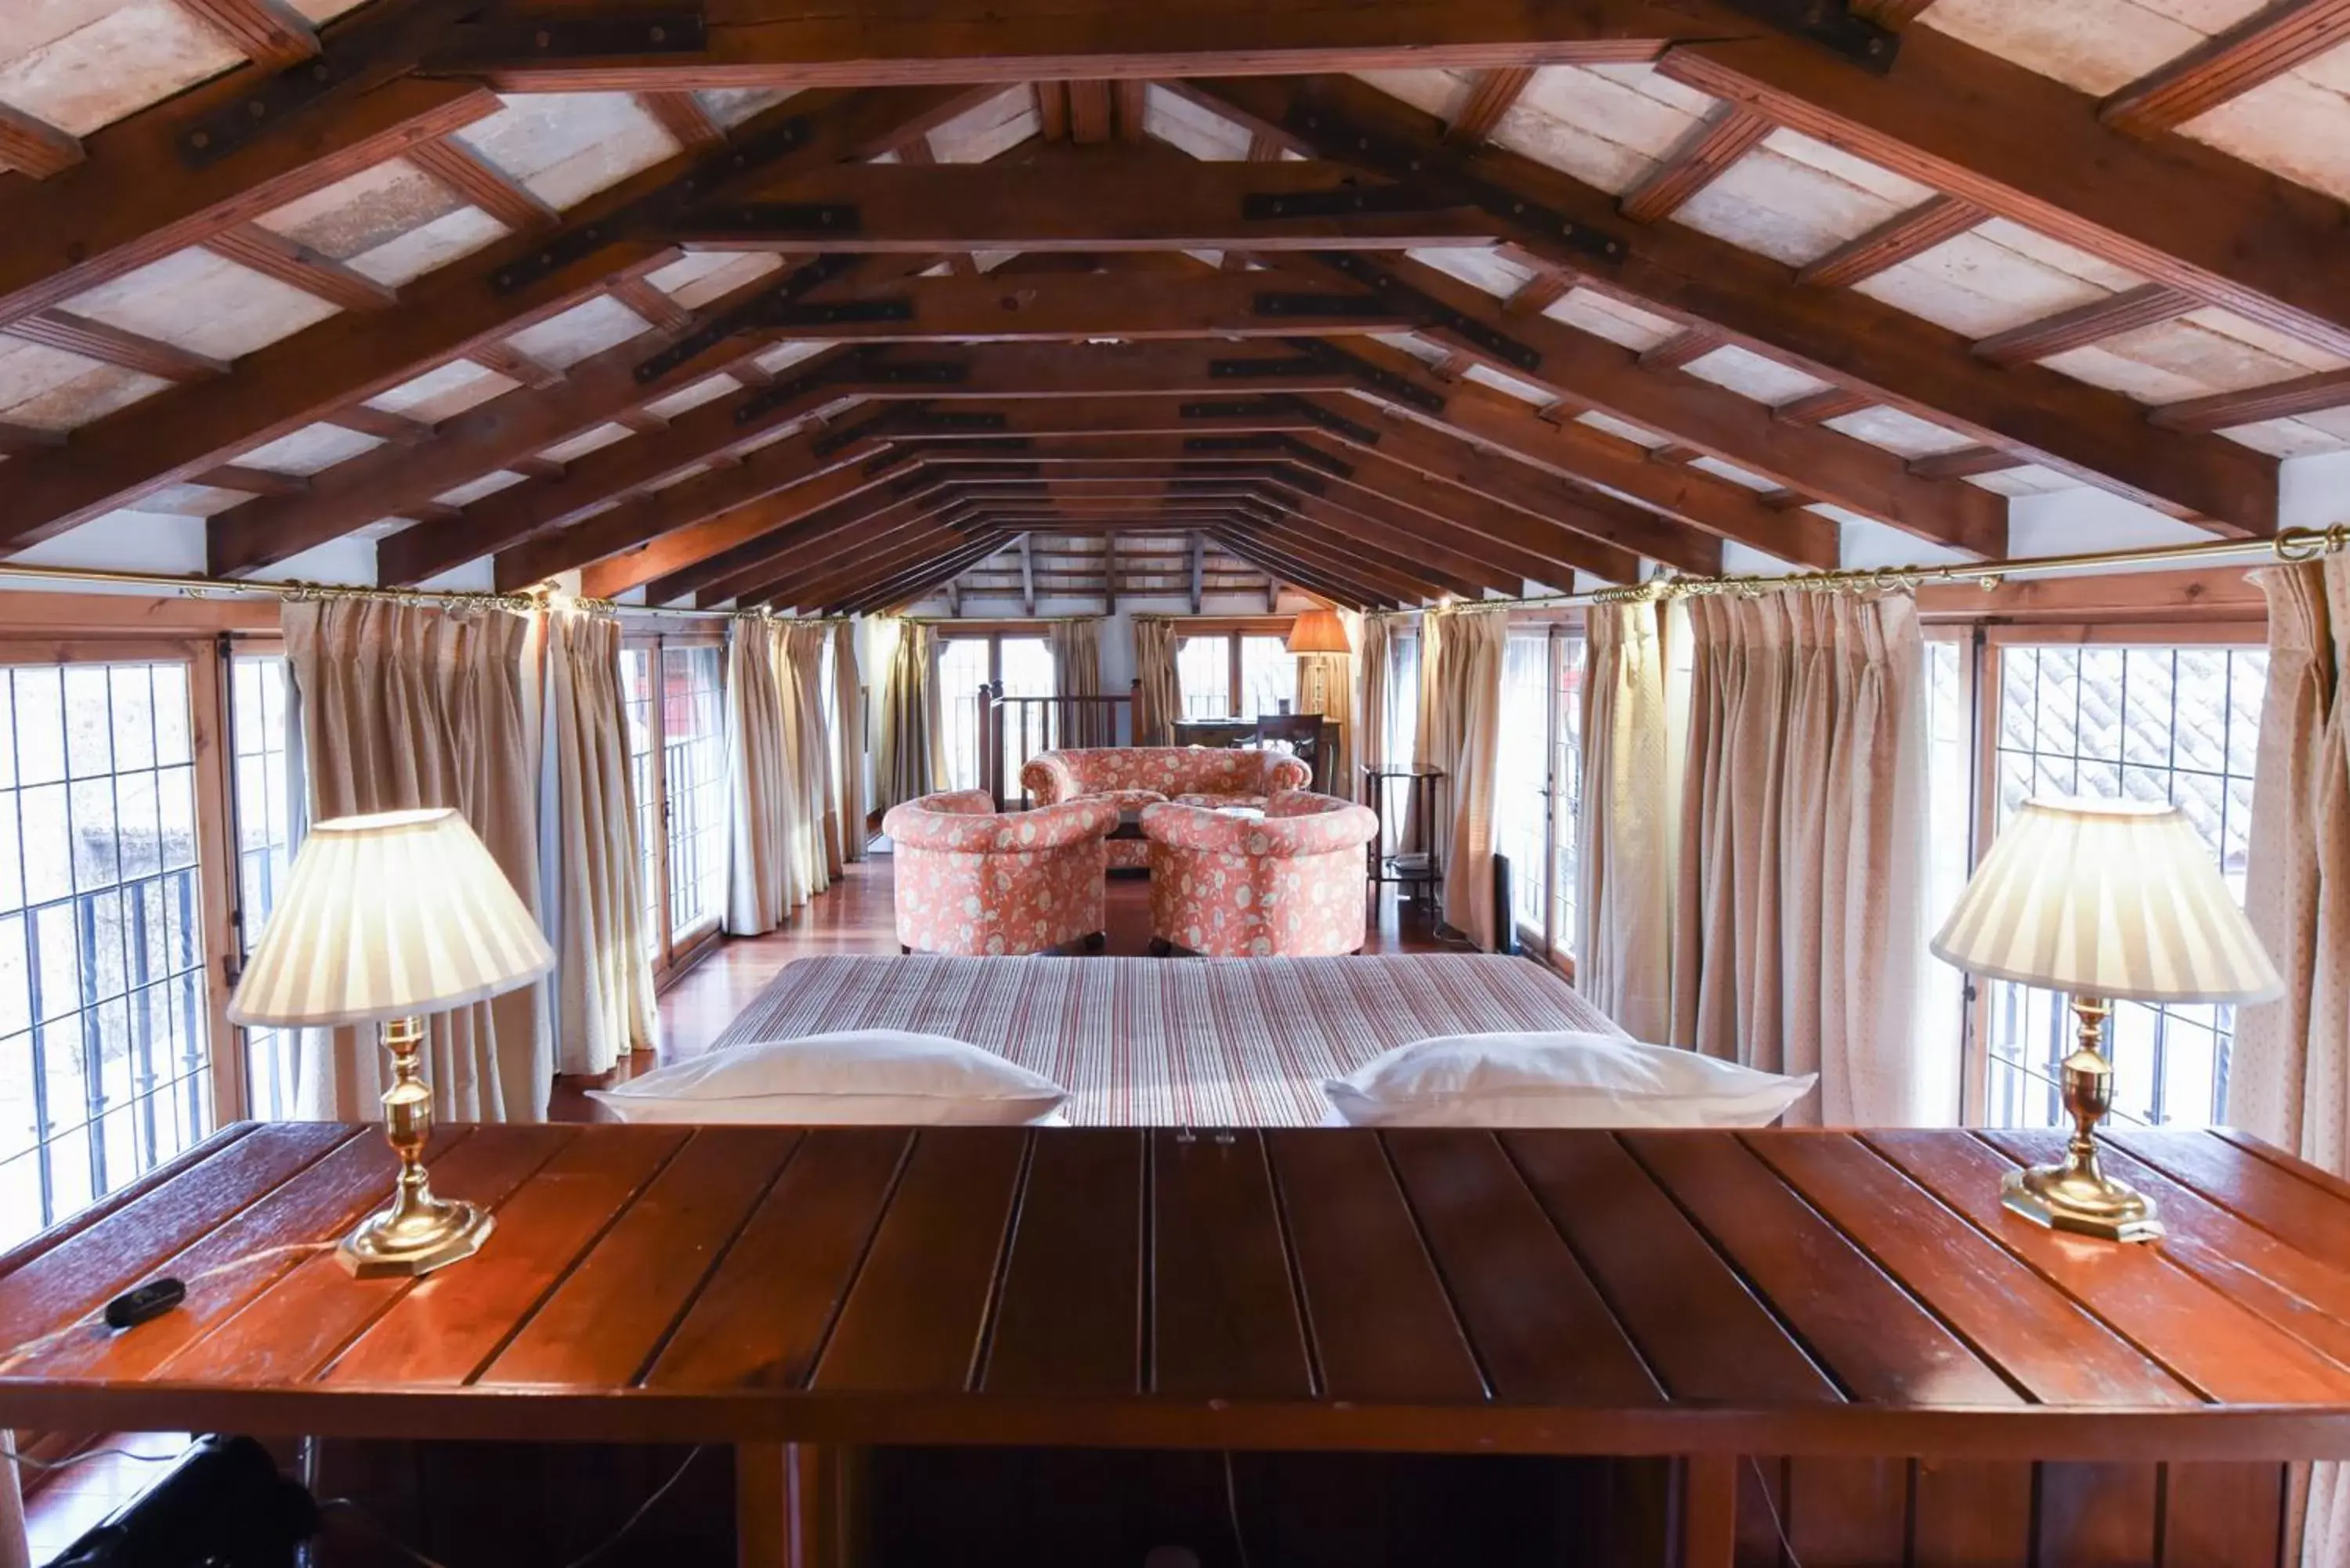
(1855, 1314)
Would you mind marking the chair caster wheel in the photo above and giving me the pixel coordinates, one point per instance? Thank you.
(1096, 941)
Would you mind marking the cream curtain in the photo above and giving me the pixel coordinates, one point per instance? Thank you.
(1371, 698)
(907, 752)
(848, 743)
(403, 706)
(1076, 672)
(758, 781)
(1158, 690)
(603, 981)
(1629, 823)
(2290, 1080)
(1325, 685)
(1799, 899)
(1461, 654)
(799, 683)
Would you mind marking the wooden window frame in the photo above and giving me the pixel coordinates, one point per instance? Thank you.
(674, 957)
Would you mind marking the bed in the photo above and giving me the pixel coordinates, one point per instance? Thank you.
(1173, 1042)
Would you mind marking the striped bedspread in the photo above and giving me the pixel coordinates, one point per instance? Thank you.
(1173, 1042)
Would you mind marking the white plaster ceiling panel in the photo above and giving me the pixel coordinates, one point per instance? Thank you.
(372, 208)
(1486, 376)
(1419, 349)
(985, 129)
(1441, 93)
(2293, 125)
(444, 392)
(1202, 132)
(680, 477)
(1480, 266)
(51, 390)
(28, 24)
(2192, 357)
(1211, 258)
(2132, 376)
(562, 342)
(2030, 479)
(1996, 276)
(308, 450)
(1795, 198)
(1602, 316)
(383, 528)
(567, 146)
(592, 440)
(1606, 125)
(473, 490)
(732, 106)
(428, 247)
(1623, 430)
(986, 261)
(783, 356)
(116, 64)
(2289, 438)
(195, 300)
(769, 438)
(192, 499)
(1898, 432)
(2094, 46)
(1745, 478)
(890, 157)
(1752, 375)
(709, 388)
(697, 278)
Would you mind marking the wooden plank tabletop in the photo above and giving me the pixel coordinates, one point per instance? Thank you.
(1788, 1292)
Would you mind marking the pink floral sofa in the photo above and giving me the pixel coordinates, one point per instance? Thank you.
(1288, 885)
(1132, 777)
(974, 882)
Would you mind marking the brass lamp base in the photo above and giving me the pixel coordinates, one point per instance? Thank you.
(2062, 1199)
(417, 1232)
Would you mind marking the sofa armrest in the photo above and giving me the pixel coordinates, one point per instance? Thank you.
(1281, 835)
(917, 825)
(1048, 778)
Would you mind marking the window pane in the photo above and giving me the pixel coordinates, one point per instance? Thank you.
(637, 698)
(1522, 794)
(266, 838)
(1268, 676)
(1027, 666)
(104, 1055)
(1203, 666)
(1566, 799)
(962, 670)
(693, 763)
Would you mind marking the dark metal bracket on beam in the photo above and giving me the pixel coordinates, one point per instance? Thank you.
(1832, 24)
(913, 419)
(657, 209)
(856, 369)
(751, 312)
(503, 40)
(1345, 201)
(771, 220)
(1273, 440)
(1435, 312)
(1286, 403)
(1386, 383)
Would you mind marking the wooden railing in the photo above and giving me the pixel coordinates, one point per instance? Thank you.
(1014, 728)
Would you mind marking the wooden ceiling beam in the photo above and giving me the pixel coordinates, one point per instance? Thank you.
(1935, 222)
(804, 542)
(35, 147)
(351, 355)
(1704, 156)
(1840, 334)
(1818, 408)
(298, 267)
(900, 575)
(269, 33)
(1964, 463)
(2149, 305)
(650, 305)
(110, 344)
(15, 438)
(395, 431)
(681, 115)
(1491, 97)
(467, 175)
(1091, 118)
(255, 480)
(2261, 48)
(1434, 568)
(1282, 567)
(2278, 401)
(515, 365)
(1396, 581)
(1683, 347)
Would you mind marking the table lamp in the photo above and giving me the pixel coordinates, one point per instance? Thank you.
(1318, 631)
(2105, 900)
(385, 918)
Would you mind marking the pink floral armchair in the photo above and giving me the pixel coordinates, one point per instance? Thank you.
(1287, 884)
(1132, 777)
(976, 882)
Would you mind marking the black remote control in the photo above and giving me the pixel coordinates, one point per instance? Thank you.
(150, 1300)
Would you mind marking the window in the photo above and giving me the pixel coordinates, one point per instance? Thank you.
(1016, 664)
(1403, 696)
(105, 1012)
(1235, 674)
(693, 774)
(267, 808)
(1537, 792)
(636, 664)
(2124, 714)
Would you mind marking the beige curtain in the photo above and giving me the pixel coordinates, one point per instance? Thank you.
(2290, 1080)
(1158, 690)
(799, 682)
(758, 781)
(848, 743)
(401, 707)
(1076, 672)
(13, 1551)
(1630, 819)
(907, 752)
(1371, 698)
(1461, 654)
(1799, 899)
(1325, 685)
(603, 981)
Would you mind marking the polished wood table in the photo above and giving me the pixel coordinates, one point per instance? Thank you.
(1838, 1336)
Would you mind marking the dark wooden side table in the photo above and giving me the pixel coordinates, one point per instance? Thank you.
(1419, 873)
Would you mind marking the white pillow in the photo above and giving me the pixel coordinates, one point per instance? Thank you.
(1566, 1079)
(860, 1076)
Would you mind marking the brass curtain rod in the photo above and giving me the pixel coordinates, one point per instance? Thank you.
(2287, 546)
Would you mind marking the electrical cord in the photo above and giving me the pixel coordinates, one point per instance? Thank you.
(45, 1467)
(1786, 1547)
(18, 1354)
(1232, 1507)
(586, 1560)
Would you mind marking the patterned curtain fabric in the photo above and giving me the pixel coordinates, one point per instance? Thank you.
(906, 754)
(603, 981)
(1371, 698)
(1461, 656)
(1158, 690)
(759, 781)
(1798, 905)
(1076, 672)
(2289, 1082)
(848, 741)
(799, 673)
(401, 707)
(1630, 818)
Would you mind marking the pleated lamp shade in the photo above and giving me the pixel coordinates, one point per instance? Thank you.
(2107, 899)
(385, 915)
(1318, 631)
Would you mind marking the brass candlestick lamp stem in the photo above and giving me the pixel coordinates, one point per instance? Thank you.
(416, 1232)
(2075, 1193)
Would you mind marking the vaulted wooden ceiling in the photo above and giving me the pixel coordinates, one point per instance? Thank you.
(767, 303)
